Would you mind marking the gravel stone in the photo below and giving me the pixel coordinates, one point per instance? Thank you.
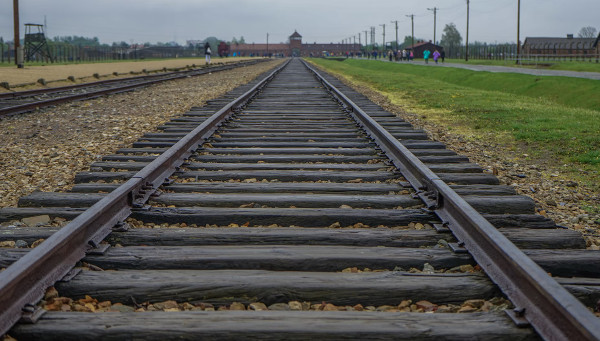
(257, 306)
(36, 221)
(21, 244)
(428, 269)
(237, 306)
(122, 308)
(279, 306)
(295, 305)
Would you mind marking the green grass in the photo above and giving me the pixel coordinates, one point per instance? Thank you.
(557, 118)
(543, 64)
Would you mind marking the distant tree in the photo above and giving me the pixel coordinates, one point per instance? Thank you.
(76, 40)
(242, 40)
(451, 38)
(588, 32)
(408, 41)
(234, 41)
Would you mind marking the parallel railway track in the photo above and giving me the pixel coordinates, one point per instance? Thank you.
(23, 101)
(310, 185)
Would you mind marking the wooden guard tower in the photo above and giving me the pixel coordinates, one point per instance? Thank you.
(36, 47)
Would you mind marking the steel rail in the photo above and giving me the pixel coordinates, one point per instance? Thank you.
(24, 282)
(17, 109)
(540, 300)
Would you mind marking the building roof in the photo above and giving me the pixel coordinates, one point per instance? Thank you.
(258, 47)
(560, 43)
(295, 35)
(422, 44)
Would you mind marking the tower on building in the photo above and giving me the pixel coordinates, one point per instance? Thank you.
(296, 43)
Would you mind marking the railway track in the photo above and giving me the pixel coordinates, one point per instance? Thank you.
(23, 101)
(313, 193)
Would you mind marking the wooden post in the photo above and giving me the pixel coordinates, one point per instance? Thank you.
(518, 30)
(17, 43)
(467, 41)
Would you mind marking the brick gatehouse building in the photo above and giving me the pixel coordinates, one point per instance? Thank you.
(295, 47)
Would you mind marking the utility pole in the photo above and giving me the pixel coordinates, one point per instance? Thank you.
(434, 20)
(412, 23)
(467, 41)
(518, 31)
(396, 22)
(383, 46)
(373, 36)
(267, 44)
(17, 43)
(366, 43)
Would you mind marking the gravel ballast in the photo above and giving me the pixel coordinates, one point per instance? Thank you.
(43, 150)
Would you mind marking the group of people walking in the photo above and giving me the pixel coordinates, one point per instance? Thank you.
(402, 55)
(408, 55)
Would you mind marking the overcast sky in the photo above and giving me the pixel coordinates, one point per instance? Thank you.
(321, 21)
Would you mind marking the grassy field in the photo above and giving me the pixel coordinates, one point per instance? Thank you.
(547, 65)
(555, 118)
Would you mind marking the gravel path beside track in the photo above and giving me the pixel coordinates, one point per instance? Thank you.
(43, 150)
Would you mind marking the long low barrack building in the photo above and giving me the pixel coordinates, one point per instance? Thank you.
(295, 47)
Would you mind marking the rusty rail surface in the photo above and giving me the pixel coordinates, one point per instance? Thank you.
(539, 299)
(23, 283)
(140, 81)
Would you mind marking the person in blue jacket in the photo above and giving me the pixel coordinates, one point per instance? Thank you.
(426, 54)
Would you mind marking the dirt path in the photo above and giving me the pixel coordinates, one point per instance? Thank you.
(84, 72)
